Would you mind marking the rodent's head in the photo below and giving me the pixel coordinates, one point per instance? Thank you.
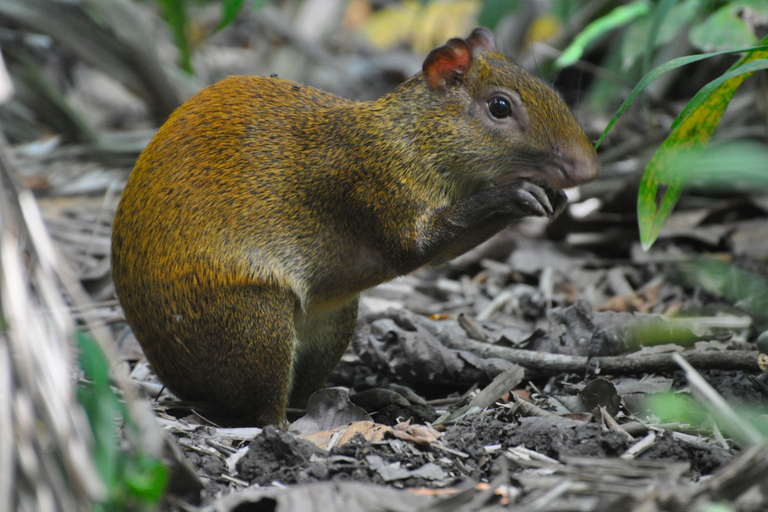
(516, 126)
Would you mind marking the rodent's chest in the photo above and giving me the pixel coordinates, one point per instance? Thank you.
(347, 272)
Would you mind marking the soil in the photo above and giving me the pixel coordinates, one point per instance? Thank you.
(504, 440)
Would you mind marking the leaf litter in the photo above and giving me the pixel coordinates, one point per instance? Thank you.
(540, 430)
(521, 369)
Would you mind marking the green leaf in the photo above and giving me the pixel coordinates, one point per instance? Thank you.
(658, 72)
(657, 18)
(101, 406)
(708, 89)
(614, 19)
(93, 363)
(175, 15)
(737, 166)
(676, 407)
(493, 11)
(146, 478)
(669, 169)
(229, 10)
(724, 29)
(129, 477)
(746, 289)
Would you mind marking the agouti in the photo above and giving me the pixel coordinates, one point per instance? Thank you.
(262, 208)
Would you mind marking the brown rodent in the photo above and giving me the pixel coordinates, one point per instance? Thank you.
(262, 208)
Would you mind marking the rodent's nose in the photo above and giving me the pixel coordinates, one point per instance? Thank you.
(577, 166)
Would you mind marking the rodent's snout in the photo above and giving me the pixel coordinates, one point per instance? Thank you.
(574, 167)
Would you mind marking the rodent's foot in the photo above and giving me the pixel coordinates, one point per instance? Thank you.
(525, 199)
(558, 200)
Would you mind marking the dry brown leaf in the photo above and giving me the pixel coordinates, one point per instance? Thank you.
(424, 491)
(372, 432)
(522, 393)
(422, 435)
(623, 304)
(642, 301)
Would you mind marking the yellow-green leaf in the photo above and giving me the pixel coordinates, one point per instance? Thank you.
(707, 90)
(660, 71)
(669, 169)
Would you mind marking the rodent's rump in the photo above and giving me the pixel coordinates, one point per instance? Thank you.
(262, 208)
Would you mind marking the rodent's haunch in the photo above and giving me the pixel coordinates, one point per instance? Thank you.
(261, 209)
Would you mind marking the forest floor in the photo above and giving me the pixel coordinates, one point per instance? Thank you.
(531, 373)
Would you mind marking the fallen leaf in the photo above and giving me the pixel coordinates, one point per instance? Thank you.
(423, 435)
(372, 432)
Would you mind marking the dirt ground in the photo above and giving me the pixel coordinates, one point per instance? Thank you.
(563, 433)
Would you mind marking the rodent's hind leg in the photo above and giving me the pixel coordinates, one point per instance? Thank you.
(322, 340)
(240, 342)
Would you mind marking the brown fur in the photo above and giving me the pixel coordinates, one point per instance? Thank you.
(262, 209)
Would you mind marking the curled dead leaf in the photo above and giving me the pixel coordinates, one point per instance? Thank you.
(327, 439)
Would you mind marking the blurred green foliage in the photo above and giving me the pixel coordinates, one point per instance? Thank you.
(683, 408)
(670, 168)
(618, 17)
(176, 15)
(741, 287)
(677, 408)
(646, 26)
(134, 480)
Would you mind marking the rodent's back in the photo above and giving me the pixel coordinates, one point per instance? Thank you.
(225, 173)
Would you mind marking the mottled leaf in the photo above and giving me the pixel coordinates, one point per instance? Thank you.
(669, 169)
(708, 89)
(658, 72)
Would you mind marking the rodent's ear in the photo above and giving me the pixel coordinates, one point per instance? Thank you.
(481, 40)
(446, 64)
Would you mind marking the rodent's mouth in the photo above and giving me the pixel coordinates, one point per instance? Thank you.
(537, 175)
(550, 175)
(558, 171)
(560, 176)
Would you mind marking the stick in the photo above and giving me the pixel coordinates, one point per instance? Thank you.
(552, 364)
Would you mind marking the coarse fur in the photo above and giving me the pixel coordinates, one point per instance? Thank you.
(261, 209)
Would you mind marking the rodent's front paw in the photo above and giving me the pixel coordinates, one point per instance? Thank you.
(558, 200)
(527, 199)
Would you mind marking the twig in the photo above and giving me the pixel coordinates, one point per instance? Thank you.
(552, 364)
(500, 385)
(640, 446)
(528, 409)
(742, 431)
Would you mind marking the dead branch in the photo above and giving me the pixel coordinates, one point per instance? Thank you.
(551, 364)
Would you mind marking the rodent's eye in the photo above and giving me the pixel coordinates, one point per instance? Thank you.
(500, 107)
